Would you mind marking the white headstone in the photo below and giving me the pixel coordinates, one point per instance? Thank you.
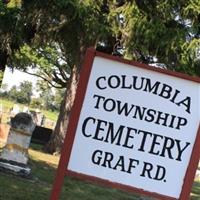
(14, 156)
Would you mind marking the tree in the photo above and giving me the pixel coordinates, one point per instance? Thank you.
(22, 94)
(36, 103)
(12, 34)
(165, 32)
(25, 92)
(67, 38)
(1, 76)
(49, 98)
(59, 93)
(13, 93)
(4, 90)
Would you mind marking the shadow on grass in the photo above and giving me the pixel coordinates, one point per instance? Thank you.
(37, 187)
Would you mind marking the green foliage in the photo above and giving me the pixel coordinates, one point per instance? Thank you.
(22, 94)
(40, 31)
(13, 93)
(191, 56)
(48, 32)
(61, 33)
(3, 90)
(36, 103)
(1, 77)
(166, 30)
(73, 24)
(49, 61)
(52, 36)
(50, 99)
(58, 97)
(10, 37)
(25, 91)
(14, 4)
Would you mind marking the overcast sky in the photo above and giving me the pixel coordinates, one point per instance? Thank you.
(16, 77)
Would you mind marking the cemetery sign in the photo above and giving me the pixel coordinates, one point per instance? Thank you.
(133, 127)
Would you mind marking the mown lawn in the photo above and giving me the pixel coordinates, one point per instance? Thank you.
(39, 186)
(7, 105)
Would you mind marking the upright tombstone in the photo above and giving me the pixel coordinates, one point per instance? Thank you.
(14, 156)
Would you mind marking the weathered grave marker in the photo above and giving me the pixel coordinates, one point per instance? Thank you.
(133, 127)
(14, 156)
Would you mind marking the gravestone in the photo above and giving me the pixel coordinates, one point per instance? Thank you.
(14, 156)
(14, 111)
(38, 117)
(41, 135)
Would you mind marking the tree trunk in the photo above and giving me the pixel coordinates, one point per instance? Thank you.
(57, 139)
(58, 136)
(3, 62)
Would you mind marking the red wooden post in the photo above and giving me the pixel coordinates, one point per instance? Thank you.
(66, 148)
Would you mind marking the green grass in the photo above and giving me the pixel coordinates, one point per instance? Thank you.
(50, 115)
(39, 186)
(7, 105)
(196, 191)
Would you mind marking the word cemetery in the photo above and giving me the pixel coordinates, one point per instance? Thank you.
(133, 127)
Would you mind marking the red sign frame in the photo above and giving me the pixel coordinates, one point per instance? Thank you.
(62, 170)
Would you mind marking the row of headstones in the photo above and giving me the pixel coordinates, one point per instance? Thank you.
(14, 156)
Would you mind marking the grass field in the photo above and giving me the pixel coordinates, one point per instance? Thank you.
(38, 187)
(7, 105)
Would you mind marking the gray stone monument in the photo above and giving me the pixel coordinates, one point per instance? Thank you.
(14, 156)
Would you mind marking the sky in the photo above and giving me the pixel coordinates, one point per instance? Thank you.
(16, 77)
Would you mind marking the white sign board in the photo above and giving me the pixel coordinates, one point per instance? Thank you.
(137, 127)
